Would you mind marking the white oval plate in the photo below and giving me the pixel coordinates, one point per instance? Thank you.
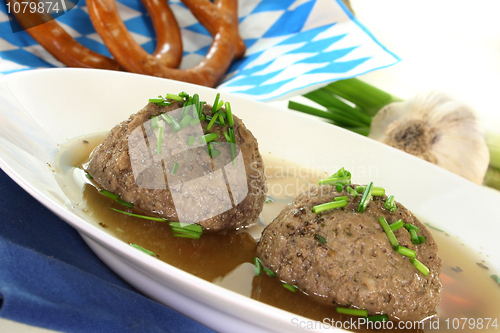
(41, 110)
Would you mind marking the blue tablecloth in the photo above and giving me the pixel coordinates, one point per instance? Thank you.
(50, 278)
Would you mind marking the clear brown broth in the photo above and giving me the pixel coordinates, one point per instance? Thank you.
(227, 260)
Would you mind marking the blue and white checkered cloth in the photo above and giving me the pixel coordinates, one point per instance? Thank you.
(292, 46)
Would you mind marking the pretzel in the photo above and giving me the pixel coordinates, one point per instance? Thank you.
(50, 35)
(220, 19)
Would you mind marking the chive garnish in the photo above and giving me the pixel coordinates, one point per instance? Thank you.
(389, 202)
(175, 97)
(156, 100)
(290, 287)
(185, 121)
(421, 267)
(352, 191)
(414, 237)
(345, 197)
(190, 140)
(158, 142)
(230, 120)
(208, 137)
(216, 102)
(496, 278)
(187, 227)
(339, 187)
(396, 225)
(158, 219)
(334, 180)
(258, 266)
(214, 152)
(409, 227)
(124, 203)
(433, 227)
(352, 312)
(228, 139)
(88, 175)
(269, 272)
(390, 234)
(194, 121)
(220, 104)
(176, 166)
(377, 191)
(320, 239)
(329, 205)
(211, 123)
(383, 317)
(365, 199)
(268, 199)
(421, 239)
(187, 235)
(138, 247)
(109, 194)
(405, 251)
(154, 122)
(221, 119)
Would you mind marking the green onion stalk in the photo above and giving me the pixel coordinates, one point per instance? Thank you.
(364, 109)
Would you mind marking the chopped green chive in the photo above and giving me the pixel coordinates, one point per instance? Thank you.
(158, 219)
(339, 187)
(414, 237)
(258, 266)
(329, 205)
(290, 287)
(352, 191)
(335, 180)
(154, 122)
(208, 137)
(377, 191)
(390, 234)
(421, 239)
(365, 199)
(187, 235)
(176, 166)
(405, 251)
(158, 142)
(216, 103)
(194, 121)
(389, 203)
(345, 197)
(320, 239)
(230, 120)
(187, 227)
(185, 121)
(496, 278)
(228, 139)
(190, 140)
(383, 317)
(421, 267)
(269, 272)
(124, 203)
(221, 119)
(175, 97)
(396, 225)
(88, 175)
(211, 123)
(220, 104)
(214, 152)
(140, 248)
(156, 100)
(109, 194)
(172, 122)
(409, 227)
(352, 312)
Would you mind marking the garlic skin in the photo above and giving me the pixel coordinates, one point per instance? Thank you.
(437, 128)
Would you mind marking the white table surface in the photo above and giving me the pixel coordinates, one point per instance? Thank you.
(449, 45)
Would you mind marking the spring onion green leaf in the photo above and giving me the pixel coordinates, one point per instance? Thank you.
(377, 191)
(290, 287)
(175, 97)
(365, 199)
(414, 237)
(140, 248)
(339, 187)
(190, 141)
(383, 317)
(352, 191)
(216, 103)
(269, 272)
(329, 205)
(230, 120)
(320, 239)
(409, 226)
(110, 195)
(396, 225)
(335, 180)
(344, 197)
(352, 312)
(257, 266)
(158, 219)
(389, 202)
(405, 251)
(208, 137)
(390, 234)
(421, 239)
(156, 100)
(421, 267)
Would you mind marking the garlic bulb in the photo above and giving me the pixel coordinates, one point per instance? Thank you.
(437, 128)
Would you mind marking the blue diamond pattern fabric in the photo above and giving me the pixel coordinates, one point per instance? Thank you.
(292, 46)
